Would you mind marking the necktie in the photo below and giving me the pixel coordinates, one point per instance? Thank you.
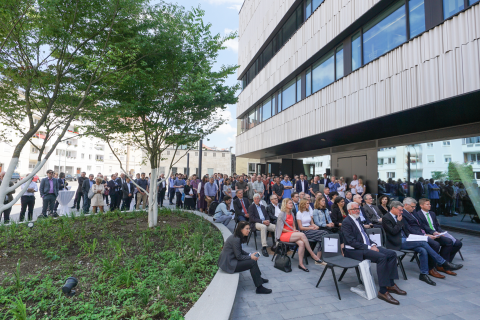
(296, 207)
(430, 221)
(423, 231)
(367, 240)
(375, 212)
(243, 206)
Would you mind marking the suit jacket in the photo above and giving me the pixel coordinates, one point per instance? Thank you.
(412, 224)
(353, 238)
(298, 185)
(322, 181)
(45, 187)
(370, 214)
(232, 252)
(424, 223)
(125, 189)
(237, 206)
(255, 217)
(271, 211)
(336, 216)
(367, 221)
(393, 230)
(86, 186)
(419, 190)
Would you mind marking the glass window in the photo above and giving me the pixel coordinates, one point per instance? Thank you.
(288, 95)
(267, 54)
(308, 9)
(448, 158)
(323, 72)
(356, 51)
(308, 84)
(267, 109)
(470, 2)
(289, 28)
(417, 17)
(450, 7)
(446, 143)
(385, 32)
(279, 101)
(316, 4)
(339, 62)
(251, 119)
(274, 105)
(299, 88)
(431, 159)
(299, 13)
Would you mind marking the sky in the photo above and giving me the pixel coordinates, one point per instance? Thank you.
(223, 15)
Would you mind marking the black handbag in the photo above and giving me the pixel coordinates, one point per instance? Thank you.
(283, 262)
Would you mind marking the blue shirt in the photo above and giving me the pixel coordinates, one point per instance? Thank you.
(260, 212)
(91, 183)
(221, 210)
(433, 194)
(333, 186)
(287, 193)
(211, 189)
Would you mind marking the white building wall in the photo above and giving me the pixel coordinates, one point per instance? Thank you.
(426, 69)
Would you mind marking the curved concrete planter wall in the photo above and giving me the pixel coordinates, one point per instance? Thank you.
(217, 300)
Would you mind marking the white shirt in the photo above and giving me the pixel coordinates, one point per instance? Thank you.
(277, 211)
(128, 185)
(341, 190)
(32, 185)
(354, 183)
(359, 228)
(303, 186)
(305, 217)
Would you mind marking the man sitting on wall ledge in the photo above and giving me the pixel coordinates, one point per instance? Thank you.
(359, 246)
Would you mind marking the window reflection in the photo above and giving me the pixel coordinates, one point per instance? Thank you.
(323, 72)
(339, 63)
(308, 84)
(385, 32)
(267, 109)
(417, 17)
(356, 51)
(450, 7)
(288, 95)
(470, 2)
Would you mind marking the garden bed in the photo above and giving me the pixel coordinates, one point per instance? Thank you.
(125, 270)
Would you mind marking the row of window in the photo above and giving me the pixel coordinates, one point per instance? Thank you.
(204, 154)
(385, 32)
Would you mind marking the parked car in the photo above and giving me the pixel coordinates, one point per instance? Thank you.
(15, 177)
(69, 177)
(35, 178)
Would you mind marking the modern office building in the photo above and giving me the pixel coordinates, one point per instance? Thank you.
(358, 83)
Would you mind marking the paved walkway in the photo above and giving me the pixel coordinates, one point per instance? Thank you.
(295, 296)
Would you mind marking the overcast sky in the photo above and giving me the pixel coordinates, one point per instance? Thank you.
(223, 15)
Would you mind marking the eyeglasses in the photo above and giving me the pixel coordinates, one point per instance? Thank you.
(355, 209)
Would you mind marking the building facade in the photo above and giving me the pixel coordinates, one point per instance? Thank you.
(357, 82)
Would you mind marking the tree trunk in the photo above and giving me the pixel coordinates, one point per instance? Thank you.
(152, 199)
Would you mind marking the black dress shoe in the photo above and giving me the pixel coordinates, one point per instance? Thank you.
(265, 252)
(304, 269)
(426, 278)
(265, 280)
(263, 290)
(451, 266)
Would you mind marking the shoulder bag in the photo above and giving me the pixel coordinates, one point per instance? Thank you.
(283, 262)
(90, 193)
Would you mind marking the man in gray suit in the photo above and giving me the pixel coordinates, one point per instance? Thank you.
(87, 184)
(49, 193)
(373, 213)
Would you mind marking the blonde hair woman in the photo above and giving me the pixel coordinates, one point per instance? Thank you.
(308, 227)
(360, 188)
(285, 231)
(97, 199)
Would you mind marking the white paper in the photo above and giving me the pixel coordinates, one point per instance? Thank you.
(376, 238)
(448, 235)
(415, 237)
(331, 245)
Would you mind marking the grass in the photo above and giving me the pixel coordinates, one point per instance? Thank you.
(125, 270)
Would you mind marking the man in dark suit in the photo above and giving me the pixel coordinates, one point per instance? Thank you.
(127, 193)
(49, 193)
(296, 202)
(240, 205)
(112, 185)
(161, 188)
(119, 183)
(429, 222)
(372, 212)
(87, 184)
(302, 184)
(359, 246)
(363, 215)
(419, 189)
(260, 220)
(397, 233)
(274, 208)
(79, 194)
(325, 181)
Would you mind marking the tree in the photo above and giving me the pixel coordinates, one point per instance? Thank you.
(173, 97)
(460, 172)
(438, 175)
(58, 58)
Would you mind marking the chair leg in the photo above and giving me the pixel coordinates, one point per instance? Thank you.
(461, 256)
(336, 284)
(358, 275)
(343, 273)
(294, 251)
(463, 217)
(248, 237)
(323, 273)
(255, 239)
(411, 260)
(400, 264)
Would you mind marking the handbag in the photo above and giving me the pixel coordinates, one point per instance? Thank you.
(106, 192)
(283, 262)
(90, 193)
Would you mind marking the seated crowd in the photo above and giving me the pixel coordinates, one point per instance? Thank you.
(305, 217)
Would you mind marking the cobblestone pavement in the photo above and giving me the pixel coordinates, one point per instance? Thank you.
(295, 296)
